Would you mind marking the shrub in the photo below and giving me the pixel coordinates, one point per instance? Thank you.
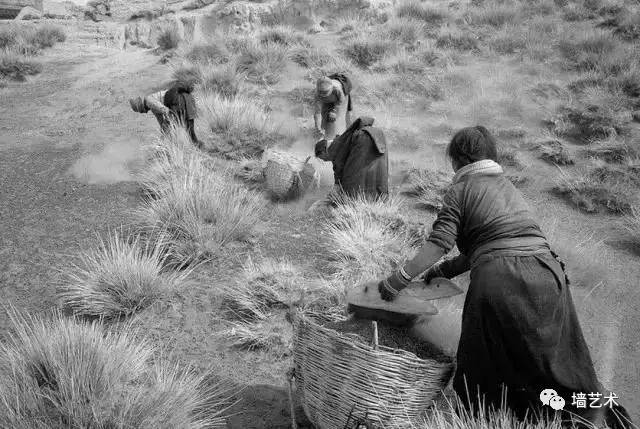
(553, 151)
(414, 9)
(118, 278)
(365, 50)
(202, 211)
(17, 67)
(263, 63)
(57, 370)
(168, 39)
(208, 53)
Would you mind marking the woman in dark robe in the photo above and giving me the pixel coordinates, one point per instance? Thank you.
(520, 332)
(182, 106)
(359, 157)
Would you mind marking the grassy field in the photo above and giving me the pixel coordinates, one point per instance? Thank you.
(190, 301)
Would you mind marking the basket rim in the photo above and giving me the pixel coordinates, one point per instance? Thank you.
(355, 341)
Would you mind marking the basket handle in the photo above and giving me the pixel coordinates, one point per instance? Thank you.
(375, 334)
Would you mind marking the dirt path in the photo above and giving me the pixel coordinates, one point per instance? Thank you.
(67, 142)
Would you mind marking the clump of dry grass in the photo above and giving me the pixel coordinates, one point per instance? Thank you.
(223, 80)
(263, 63)
(427, 186)
(30, 40)
(199, 207)
(367, 238)
(414, 9)
(614, 152)
(590, 122)
(57, 370)
(555, 152)
(631, 225)
(608, 188)
(17, 67)
(494, 14)
(596, 51)
(212, 52)
(272, 334)
(457, 40)
(509, 156)
(118, 278)
(169, 39)
(243, 129)
(405, 30)
(452, 415)
(366, 49)
(284, 35)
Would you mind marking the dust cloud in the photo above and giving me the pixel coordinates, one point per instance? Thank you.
(113, 164)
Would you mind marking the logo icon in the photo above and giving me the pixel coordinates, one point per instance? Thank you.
(550, 397)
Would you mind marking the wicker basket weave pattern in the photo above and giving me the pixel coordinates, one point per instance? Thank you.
(337, 375)
(287, 176)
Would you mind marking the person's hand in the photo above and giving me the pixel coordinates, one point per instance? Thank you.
(320, 148)
(391, 286)
(433, 273)
(332, 116)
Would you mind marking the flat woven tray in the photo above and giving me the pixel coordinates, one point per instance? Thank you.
(339, 378)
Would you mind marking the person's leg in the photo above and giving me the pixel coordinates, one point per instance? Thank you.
(191, 129)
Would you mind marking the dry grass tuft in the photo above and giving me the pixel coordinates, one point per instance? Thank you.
(271, 334)
(208, 53)
(428, 187)
(509, 156)
(414, 9)
(284, 35)
(457, 40)
(242, 128)
(168, 39)
(367, 49)
(63, 370)
(405, 31)
(631, 224)
(554, 152)
(602, 188)
(17, 67)
(118, 278)
(589, 123)
(223, 80)
(494, 14)
(263, 63)
(199, 207)
(367, 238)
(614, 152)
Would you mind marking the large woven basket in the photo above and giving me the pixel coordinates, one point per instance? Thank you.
(287, 176)
(341, 379)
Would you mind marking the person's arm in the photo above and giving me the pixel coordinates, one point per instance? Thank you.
(440, 242)
(449, 268)
(317, 116)
(153, 103)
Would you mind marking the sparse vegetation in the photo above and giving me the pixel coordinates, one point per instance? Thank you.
(414, 9)
(208, 53)
(428, 187)
(64, 370)
(509, 157)
(365, 50)
(284, 35)
(554, 151)
(263, 63)
(19, 44)
(494, 14)
(457, 40)
(118, 278)
(168, 39)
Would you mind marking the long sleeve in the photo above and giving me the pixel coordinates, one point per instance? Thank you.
(154, 104)
(446, 226)
(453, 267)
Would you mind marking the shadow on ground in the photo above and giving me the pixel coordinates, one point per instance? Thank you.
(263, 406)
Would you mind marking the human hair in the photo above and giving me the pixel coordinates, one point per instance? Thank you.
(472, 144)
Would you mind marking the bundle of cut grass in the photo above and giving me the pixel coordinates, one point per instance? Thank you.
(55, 370)
(119, 277)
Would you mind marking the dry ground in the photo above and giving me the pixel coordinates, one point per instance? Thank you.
(70, 146)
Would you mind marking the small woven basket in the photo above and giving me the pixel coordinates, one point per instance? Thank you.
(339, 378)
(287, 176)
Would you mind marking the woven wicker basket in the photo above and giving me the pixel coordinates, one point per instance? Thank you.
(287, 176)
(339, 378)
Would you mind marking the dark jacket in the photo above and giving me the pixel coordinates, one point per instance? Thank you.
(360, 159)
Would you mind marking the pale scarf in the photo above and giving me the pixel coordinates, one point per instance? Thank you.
(486, 166)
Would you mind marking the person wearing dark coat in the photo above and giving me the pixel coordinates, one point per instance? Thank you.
(520, 331)
(175, 104)
(360, 160)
